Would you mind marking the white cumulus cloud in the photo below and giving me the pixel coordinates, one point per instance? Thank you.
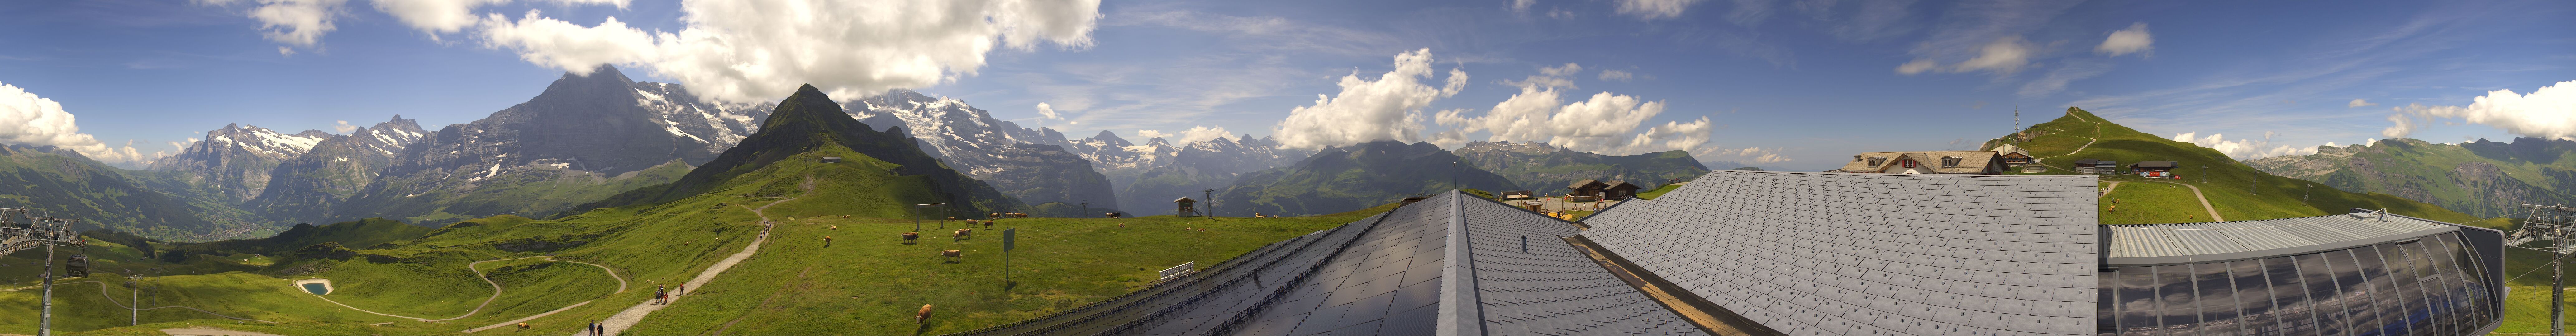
(1654, 9)
(2243, 149)
(2549, 112)
(299, 23)
(2357, 102)
(1048, 112)
(27, 119)
(343, 126)
(755, 51)
(2127, 41)
(1388, 108)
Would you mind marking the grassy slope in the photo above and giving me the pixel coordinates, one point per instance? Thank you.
(867, 282)
(2239, 192)
(1659, 191)
(2150, 202)
(526, 193)
(2229, 188)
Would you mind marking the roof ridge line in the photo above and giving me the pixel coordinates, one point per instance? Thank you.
(1458, 292)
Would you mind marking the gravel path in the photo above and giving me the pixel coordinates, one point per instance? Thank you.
(612, 274)
(628, 318)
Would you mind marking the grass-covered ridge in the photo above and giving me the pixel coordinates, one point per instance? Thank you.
(2237, 191)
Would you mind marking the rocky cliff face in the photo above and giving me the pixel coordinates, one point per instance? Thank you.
(1034, 166)
(1546, 169)
(583, 139)
(234, 161)
(305, 188)
(810, 120)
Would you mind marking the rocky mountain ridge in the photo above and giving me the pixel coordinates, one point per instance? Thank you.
(2482, 177)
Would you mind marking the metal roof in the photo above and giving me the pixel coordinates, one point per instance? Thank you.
(1874, 254)
(2165, 244)
(1398, 273)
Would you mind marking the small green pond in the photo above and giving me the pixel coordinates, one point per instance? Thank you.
(317, 288)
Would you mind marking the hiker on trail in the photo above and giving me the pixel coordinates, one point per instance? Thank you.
(683, 288)
(661, 297)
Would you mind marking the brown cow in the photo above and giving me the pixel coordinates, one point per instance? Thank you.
(1024, 215)
(924, 316)
(952, 217)
(962, 233)
(993, 215)
(960, 255)
(988, 223)
(911, 236)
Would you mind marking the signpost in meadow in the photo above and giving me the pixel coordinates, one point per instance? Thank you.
(1008, 235)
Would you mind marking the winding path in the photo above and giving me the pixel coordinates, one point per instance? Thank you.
(102, 291)
(612, 274)
(628, 318)
(2097, 130)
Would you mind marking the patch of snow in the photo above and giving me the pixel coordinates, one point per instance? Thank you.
(339, 159)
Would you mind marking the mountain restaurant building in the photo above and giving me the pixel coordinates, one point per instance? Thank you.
(2013, 155)
(1829, 254)
(1938, 162)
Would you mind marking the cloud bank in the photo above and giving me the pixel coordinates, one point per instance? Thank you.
(1605, 123)
(1648, 9)
(1388, 108)
(27, 119)
(2244, 149)
(1194, 134)
(738, 51)
(2549, 112)
(753, 51)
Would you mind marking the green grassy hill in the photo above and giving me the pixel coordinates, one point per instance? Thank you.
(2484, 178)
(2241, 192)
(61, 183)
(2237, 191)
(866, 282)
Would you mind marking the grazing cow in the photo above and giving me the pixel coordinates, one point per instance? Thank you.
(1024, 215)
(1122, 225)
(827, 240)
(988, 223)
(952, 217)
(523, 326)
(911, 236)
(924, 316)
(993, 215)
(962, 233)
(960, 255)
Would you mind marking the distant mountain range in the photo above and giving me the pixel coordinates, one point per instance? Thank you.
(603, 139)
(1545, 169)
(1353, 177)
(2483, 178)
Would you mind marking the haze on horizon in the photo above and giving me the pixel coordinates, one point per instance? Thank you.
(1792, 84)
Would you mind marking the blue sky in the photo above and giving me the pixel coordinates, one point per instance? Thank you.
(1787, 84)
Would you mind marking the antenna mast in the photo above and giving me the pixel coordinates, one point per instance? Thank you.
(2017, 122)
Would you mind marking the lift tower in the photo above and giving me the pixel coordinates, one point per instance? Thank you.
(2551, 223)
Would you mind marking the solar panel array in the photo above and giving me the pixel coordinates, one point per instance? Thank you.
(1874, 254)
(1384, 276)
